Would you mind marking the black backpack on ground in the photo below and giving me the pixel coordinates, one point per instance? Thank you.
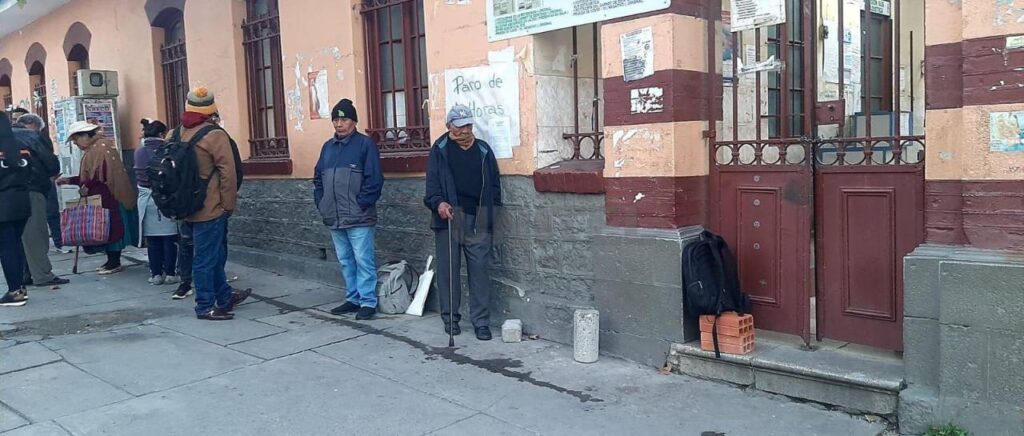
(178, 189)
(711, 282)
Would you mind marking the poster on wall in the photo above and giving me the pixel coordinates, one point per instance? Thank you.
(101, 113)
(319, 107)
(637, 54)
(492, 93)
(512, 18)
(751, 14)
(1006, 132)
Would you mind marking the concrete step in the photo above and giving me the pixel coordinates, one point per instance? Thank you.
(855, 378)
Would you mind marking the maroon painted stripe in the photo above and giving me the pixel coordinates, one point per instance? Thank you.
(943, 76)
(667, 202)
(983, 214)
(685, 98)
(584, 176)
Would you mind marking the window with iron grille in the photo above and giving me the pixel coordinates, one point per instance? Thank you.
(78, 59)
(262, 41)
(37, 78)
(174, 63)
(785, 118)
(397, 79)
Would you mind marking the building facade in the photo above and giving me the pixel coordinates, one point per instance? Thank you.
(863, 165)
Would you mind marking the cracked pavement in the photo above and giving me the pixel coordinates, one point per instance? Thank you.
(116, 356)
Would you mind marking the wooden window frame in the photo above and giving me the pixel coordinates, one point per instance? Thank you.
(268, 139)
(78, 59)
(402, 148)
(7, 99)
(174, 63)
(881, 27)
(37, 81)
(795, 43)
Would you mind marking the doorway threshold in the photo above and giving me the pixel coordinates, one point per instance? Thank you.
(854, 378)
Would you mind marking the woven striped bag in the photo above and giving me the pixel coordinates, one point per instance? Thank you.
(85, 225)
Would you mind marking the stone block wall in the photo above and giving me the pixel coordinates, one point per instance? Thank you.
(963, 340)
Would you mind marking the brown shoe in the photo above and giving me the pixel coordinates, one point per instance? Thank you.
(237, 297)
(216, 314)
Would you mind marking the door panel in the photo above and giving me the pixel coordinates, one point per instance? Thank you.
(868, 219)
(764, 215)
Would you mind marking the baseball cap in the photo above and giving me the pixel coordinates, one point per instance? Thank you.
(460, 116)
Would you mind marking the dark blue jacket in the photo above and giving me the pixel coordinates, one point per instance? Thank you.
(441, 182)
(347, 182)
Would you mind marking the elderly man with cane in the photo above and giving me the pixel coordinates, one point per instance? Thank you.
(463, 189)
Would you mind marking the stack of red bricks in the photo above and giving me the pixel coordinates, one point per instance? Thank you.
(735, 333)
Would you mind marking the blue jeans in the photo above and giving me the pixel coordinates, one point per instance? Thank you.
(358, 264)
(211, 255)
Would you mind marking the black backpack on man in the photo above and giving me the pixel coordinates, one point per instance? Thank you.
(711, 284)
(179, 191)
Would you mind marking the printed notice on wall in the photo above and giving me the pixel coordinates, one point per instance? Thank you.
(751, 14)
(1006, 132)
(512, 18)
(492, 93)
(637, 54)
(101, 113)
(319, 106)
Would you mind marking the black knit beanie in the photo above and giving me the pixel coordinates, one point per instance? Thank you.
(344, 109)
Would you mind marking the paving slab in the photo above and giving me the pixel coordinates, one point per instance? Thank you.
(48, 428)
(294, 341)
(160, 358)
(26, 355)
(482, 425)
(314, 297)
(55, 390)
(253, 309)
(294, 320)
(9, 420)
(221, 333)
(341, 400)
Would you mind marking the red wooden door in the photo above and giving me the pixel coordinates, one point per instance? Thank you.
(764, 213)
(868, 218)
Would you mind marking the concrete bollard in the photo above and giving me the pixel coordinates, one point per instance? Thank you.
(586, 335)
(512, 330)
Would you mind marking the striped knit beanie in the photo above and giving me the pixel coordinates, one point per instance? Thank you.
(200, 101)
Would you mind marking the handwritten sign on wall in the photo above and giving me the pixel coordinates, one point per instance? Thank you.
(492, 93)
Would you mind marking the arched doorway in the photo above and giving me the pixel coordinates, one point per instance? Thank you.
(173, 61)
(35, 63)
(76, 51)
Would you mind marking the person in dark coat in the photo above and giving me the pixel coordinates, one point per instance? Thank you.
(44, 167)
(36, 123)
(14, 176)
(347, 183)
(463, 189)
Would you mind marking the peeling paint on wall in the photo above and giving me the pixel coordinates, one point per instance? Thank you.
(293, 102)
(1007, 12)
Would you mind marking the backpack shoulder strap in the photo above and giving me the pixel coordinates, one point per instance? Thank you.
(176, 136)
(201, 134)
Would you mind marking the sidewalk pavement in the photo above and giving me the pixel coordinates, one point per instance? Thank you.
(114, 355)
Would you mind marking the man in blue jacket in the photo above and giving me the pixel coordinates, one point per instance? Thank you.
(463, 189)
(347, 183)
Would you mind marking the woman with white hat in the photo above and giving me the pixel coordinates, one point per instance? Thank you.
(103, 174)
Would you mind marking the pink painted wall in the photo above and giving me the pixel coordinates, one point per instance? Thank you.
(133, 58)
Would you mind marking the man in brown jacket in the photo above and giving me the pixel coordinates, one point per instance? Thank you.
(215, 300)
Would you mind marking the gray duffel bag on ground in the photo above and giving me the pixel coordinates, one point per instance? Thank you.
(396, 286)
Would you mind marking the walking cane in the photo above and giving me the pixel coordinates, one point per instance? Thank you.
(451, 285)
(74, 268)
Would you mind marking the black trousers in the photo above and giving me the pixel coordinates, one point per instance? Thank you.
(163, 254)
(476, 247)
(12, 253)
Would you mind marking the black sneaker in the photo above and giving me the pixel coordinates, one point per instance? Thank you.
(14, 299)
(452, 329)
(366, 313)
(483, 333)
(348, 307)
(216, 314)
(183, 291)
(57, 281)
